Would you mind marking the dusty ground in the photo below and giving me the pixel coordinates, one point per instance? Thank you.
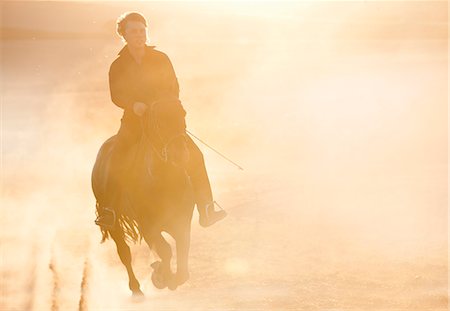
(342, 133)
(264, 256)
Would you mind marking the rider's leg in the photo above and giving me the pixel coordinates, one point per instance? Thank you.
(202, 187)
(125, 138)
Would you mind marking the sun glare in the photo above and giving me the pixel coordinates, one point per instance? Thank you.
(236, 266)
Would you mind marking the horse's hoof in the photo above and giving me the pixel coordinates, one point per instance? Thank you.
(156, 265)
(172, 284)
(138, 293)
(138, 296)
(182, 277)
(158, 280)
(158, 276)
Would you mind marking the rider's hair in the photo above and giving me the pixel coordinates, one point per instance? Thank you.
(126, 17)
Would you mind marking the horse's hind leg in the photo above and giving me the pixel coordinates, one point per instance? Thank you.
(125, 256)
(182, 243)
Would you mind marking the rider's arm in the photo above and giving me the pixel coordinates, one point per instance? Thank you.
(171, 87)
(118, 87)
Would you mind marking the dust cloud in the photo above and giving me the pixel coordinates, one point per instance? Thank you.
(336, 110)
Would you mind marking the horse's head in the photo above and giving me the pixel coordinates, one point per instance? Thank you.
(167, 129)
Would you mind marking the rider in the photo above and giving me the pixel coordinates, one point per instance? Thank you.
(139, 76)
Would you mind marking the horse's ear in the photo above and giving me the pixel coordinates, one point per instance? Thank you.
(172, 112)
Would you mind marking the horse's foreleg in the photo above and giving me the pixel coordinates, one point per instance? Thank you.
(163, 250)
(125, 256)
(183, 241)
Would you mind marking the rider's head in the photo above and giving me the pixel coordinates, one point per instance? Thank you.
(132, 27)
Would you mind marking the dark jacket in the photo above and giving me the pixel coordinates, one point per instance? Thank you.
(130, 82)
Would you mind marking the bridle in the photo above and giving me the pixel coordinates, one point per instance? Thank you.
(163, 154)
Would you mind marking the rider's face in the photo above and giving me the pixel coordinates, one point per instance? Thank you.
(135, 34)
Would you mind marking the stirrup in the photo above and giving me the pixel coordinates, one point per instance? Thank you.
(106, 212)
(212, 216)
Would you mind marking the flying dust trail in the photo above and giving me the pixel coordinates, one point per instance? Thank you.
(55, 291)
(82, 305)
(32, 280)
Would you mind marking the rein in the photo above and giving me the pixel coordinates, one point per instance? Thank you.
(163, 154)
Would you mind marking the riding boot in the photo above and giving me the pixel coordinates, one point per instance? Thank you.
(109, 209)
(106, 218)
(209, 216)
(202, 187)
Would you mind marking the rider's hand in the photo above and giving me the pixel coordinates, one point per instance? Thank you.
(139, 108)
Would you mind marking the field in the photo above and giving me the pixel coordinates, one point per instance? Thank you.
(336, 110)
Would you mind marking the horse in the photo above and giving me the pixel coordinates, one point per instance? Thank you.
(156, 194)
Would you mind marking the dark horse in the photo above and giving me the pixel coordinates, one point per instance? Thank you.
(156, 194)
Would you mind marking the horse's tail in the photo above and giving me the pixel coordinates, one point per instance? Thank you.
(127, 224)
(129, 227)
